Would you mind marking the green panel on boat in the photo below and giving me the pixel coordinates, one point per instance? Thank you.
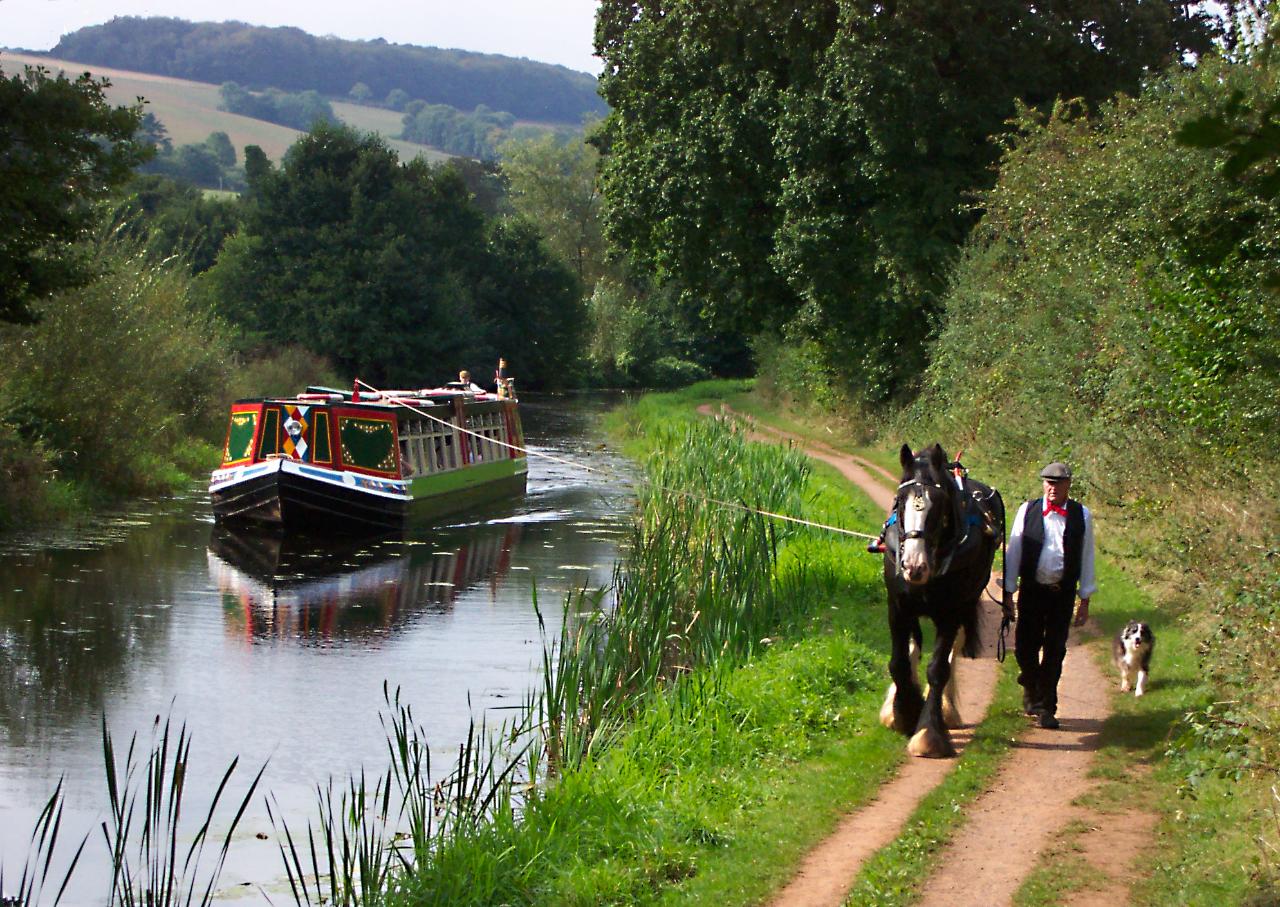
(270, 432)
(459, 479)
(320, 438)
(368, 444)
(240, 437)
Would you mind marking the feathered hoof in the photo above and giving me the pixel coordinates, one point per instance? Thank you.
(951, 715)
(929, 744)
(886, 710)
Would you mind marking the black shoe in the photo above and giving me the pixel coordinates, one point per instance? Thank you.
(1030, 707)
(1049, 721)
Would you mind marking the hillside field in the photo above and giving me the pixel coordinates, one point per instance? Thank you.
(189, 110)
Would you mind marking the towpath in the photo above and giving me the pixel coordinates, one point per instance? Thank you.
(1035, 796)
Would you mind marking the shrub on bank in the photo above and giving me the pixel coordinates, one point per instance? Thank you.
(121, 388)
(119, 378)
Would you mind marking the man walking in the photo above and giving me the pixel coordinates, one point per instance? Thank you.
(1051, 553)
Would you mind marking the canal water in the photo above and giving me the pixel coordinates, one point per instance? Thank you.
(277, 653)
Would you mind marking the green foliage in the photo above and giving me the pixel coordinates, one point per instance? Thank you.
(396, 99)
(641, 337)
(295, 61)
(390, 271)
(1120, 276)
(532, 308)
(115, 404)
(299, 110)
(62, 148)
(281, 372)
(360, 93)
(817, 164)
(477, 134)
(211, 163)
(176, 219)
(553, 185)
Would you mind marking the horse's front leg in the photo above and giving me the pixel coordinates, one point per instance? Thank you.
(932, 737)
(907, 701)
(886, 710)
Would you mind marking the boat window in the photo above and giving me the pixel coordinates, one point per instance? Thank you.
(270, 443)
(368, 444)
(240, 431)
(321, 451)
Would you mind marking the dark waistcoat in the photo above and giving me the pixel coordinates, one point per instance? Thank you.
(1033, 542)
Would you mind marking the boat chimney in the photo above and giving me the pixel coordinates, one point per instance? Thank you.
(355, 391)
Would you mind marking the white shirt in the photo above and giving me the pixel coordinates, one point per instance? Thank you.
(1050, 566)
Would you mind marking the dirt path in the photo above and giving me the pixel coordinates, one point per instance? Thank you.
(1030, 800)
(1033, 799)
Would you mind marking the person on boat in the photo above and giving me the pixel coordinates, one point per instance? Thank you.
(465, 382)
(502, 381)
(1051, 554)
(957, 469)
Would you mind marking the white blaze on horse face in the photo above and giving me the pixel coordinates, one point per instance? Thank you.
(915, 559)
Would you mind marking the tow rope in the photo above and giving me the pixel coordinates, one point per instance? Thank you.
(730, 505)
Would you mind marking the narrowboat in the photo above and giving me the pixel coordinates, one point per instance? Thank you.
(362, 461)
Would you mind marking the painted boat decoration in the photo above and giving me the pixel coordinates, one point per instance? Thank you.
(359, 461)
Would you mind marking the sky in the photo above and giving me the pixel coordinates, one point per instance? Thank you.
(550, 31)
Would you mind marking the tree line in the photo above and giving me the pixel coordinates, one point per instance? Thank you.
(292, 60)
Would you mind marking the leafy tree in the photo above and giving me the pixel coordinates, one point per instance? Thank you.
(152, 132)
(295, 61)
(256, 165)
(62, 147)
(397, 98)
(554, 186)
(210, 163)
(175, 218)
(386, 268)
(360, 93)
(477, 134)
(532, 303)
(219, 143)
(298, 111)
(818, 162)
(485, 183)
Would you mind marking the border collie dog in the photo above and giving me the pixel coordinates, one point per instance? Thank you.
(1131, 651)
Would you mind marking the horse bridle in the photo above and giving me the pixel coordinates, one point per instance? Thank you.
(904, 535)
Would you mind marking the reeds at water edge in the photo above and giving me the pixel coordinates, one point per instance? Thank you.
(153, 863)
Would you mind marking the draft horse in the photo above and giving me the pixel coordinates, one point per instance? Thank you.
(939, 547)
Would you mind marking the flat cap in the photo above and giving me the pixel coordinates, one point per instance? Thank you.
(1056, 472)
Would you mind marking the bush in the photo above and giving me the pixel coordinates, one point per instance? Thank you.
(117, 378)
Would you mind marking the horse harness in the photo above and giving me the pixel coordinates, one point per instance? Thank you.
(905, 535)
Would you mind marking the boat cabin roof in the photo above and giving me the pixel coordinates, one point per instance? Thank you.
(434, 396)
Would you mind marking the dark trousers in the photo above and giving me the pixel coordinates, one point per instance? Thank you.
(1040, 641)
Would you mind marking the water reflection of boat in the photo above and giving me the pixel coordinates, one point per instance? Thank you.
(298, 588)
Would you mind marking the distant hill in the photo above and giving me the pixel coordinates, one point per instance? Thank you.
(291, 59)
(189, 110)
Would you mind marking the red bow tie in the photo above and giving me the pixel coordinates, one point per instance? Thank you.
(1054, 508)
